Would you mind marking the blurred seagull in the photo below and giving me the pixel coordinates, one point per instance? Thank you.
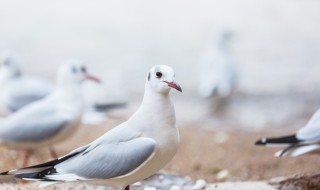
(217, 70)
(132, 151)
(306, 140)
(50, 120)
(16, 89)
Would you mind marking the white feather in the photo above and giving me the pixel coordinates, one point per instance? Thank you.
(298, 151)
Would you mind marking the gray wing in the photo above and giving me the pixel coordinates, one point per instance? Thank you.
(35, 123)
(107, 160)
(26, 90)
(21, 100)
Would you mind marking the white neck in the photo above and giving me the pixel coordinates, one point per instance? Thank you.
(156, 107)
(70, 98)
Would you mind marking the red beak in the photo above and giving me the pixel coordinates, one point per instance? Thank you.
(174, 85)
(93, 78)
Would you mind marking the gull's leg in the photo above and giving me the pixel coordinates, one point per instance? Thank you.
(53, 153)
(127, 188)
(26, 157)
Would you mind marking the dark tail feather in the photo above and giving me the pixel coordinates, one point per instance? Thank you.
(53, 162)
(5, 173)
(107, 107)
(292, 139)
(41, 176)
(38, 168)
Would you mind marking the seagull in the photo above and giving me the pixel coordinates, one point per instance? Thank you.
(50, 120)
(306, 140)
(217, 73)
(131, 151)
(17, 89)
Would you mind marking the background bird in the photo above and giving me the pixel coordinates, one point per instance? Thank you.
(50, 120)
(217, 74)
(132, 151)
(306, 140)
(17, 89)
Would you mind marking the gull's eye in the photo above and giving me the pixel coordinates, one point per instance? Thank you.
(74, 69)
(6, 62)
(158, 74)
(83, 69)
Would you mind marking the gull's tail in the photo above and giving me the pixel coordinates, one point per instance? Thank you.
(36, 170)
(280, 141)
(293, 146)
(42, 172)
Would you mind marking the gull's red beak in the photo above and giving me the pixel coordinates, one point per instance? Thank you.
(93, 78)
(174, 85)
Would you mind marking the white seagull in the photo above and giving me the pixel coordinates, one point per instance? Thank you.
(50, 120)
(132, 151)
(306, 140)
(217, 72)
(17, 89)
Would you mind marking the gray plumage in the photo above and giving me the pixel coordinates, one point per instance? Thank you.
(109, 160)
(17, 89)
(40, 123)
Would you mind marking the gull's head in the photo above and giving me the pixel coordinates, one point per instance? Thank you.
(74, 72)
(10, 66)
(161, 79)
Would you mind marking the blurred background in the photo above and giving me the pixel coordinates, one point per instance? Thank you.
(274, 44)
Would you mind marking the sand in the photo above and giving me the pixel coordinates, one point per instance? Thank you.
(202, 155)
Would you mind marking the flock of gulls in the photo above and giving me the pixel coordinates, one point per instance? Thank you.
(40, 114)
(130, 152)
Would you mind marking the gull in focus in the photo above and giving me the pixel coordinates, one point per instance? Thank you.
(130, 152)
(306, 140)
(17, 89)
(50, 120)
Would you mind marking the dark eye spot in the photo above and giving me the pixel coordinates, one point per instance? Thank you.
(74, 69)
(7, 62)
(84, 70)
(158, 74)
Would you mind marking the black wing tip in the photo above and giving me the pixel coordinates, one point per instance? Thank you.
(41, 176)
(23, 176)
(291, 139)
(106, 107)
(5, 173)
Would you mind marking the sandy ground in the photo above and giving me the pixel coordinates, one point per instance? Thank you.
(202, 155)
(217, 186)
